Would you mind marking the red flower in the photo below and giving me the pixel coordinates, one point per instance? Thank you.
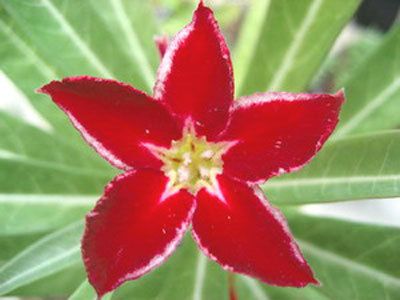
(193, 156)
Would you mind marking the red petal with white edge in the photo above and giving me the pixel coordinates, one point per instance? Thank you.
(195, 76)
(249, 236)
(162, 42)
(278, 132)
(132, 229)
(115, 119)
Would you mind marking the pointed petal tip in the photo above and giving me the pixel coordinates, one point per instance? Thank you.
(317, 116)
(99, 295)
(341, 95)
(202, 8)
(102, 293)
(316, 282)
(247, 221)
(41, 90)
(49, 87)
(311, 279)
(197, 53)
(308, 279)
(165, 225)
(45, 89)
(301, 280)
(162, 42)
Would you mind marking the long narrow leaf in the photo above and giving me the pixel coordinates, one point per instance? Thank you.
(33, 214)
(366, 166)
(283, 42)
(49, 255)
(23, 139)
(86, 45)
(373, 92)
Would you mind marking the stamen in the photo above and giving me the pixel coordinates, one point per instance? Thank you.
(183, 174)
(192, 162)
(187, 158)
(208, 154)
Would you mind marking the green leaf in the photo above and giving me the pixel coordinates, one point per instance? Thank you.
(11, 245)
(59, 183)
(373, 92)
(352, 260)
(56, 285)
(49, 179)
(361, 258)
(352, 256)
(42, 177)
(346, 63)
(345, 58)
(188, 274)
(366, 166)
(103, 43)
(180, 13)
(84, 292)
(20, 58)
(25, 140)
(106, 42)
(283, 42)
(32, 214)
(249, 288)
(47, 256)
(46, 165)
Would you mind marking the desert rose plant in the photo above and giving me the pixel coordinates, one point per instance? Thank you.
(193, 157)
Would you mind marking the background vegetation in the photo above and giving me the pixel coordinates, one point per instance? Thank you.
(49, 178)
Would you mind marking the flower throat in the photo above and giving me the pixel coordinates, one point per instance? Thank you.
(192, 162)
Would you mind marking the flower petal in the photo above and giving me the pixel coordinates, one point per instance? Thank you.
(278, 132)
(115, 118)
(245, 234)
(131, 230)
(195, 76)
(162, 43)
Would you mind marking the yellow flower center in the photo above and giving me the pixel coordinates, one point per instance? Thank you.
(192, 162)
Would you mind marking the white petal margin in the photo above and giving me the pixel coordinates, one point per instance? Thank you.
(168, 59)
(168, 250)
(97, 145)
(276, 214)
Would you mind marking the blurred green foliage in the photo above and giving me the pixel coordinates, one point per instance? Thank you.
(49, 178)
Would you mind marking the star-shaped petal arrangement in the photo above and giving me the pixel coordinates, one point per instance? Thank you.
(193, 156)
